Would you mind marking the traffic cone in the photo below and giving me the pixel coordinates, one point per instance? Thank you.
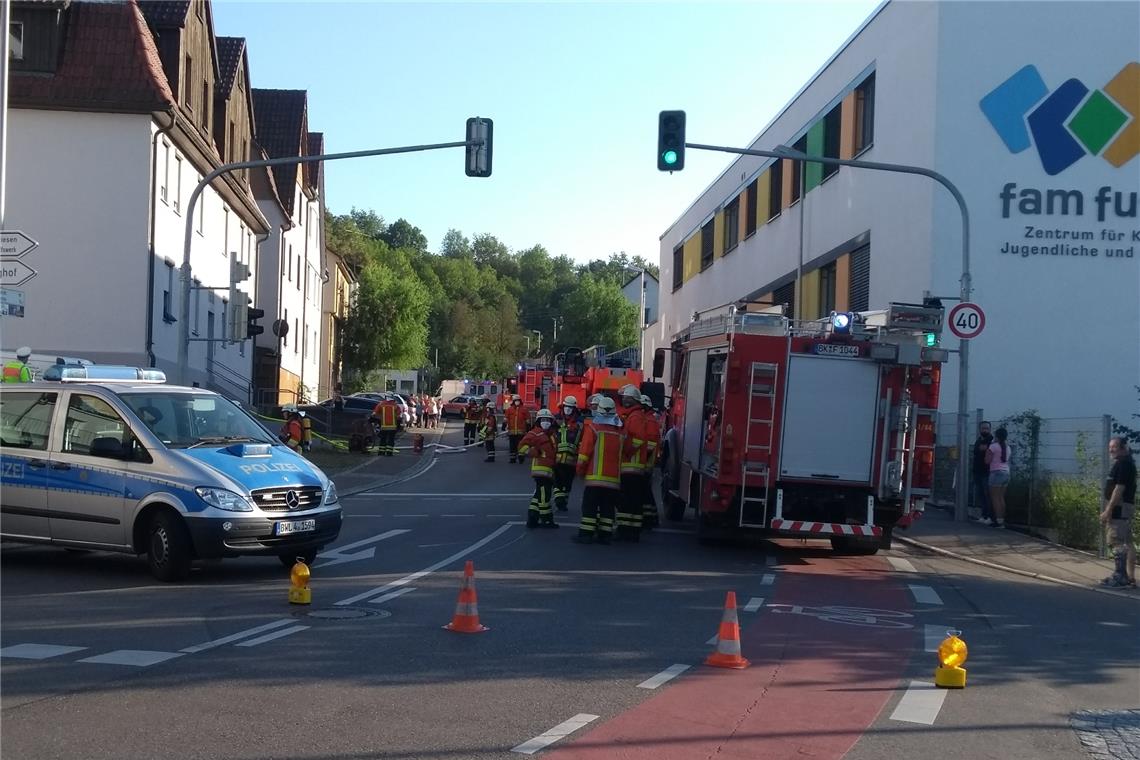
(466, 618)
(727, 654)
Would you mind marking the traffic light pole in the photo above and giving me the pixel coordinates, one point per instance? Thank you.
(960, 492)
(185, 277)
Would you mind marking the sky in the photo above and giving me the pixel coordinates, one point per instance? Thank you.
(574, 90)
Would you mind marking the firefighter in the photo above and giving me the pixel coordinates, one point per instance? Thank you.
(488, 427)
(18, 371)
(599, 464)
(649, 516)
(291, 433)
(541, 444)
(387, 413)
(570, 424)
(471, 416)
(306, 432)
(516, 424)
(632, 464)
(592, 402)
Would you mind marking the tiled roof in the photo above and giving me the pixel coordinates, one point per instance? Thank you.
(165, 13)
(229, 59)
(109, 63)
(313, 171)
(279, 116)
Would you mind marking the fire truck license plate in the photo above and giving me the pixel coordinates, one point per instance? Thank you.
(829, 349)
(294, 526)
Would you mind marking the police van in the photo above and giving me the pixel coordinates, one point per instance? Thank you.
(112, 458)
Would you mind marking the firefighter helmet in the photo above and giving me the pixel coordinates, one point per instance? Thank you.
(593, 400)
(646, 401)
(606, 405)
(570, 401)
(544, 414)
(630, 391)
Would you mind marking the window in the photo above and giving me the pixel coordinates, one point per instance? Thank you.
(678, 267)
(168, 295)
(831, 129)
(290, 262)
(296, 331)
(827, 289)
(178, 185)
(93, 427)
(865, 114)
(225, 232)
(163, 193)
(285, 337)
(298, 271)
(201, 205)
(798, 169)
(197, 304)
(16, 40)
(786, 295)
(206, 103)
(775, 188)
(188, 84)
(732, 224)
(707, 233)
(859, 288)
(231, 148)
(25, 419)
(750, 201)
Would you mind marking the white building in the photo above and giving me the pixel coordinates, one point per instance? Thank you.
(1038, 126)
(632, 290)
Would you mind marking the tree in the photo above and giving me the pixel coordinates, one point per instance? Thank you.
(401, 234)
(455, 245)
(597, 313)
(387, 322)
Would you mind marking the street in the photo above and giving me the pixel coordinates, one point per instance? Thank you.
(592, 652)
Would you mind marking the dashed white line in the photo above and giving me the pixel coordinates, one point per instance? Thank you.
(466, 515)
(754, 604)
(561, 731)
(924, 594)
(37, 651)
(767, 580)
(920, 704)
(902, 565)
(139, 658)
(236, 636)
(392, 595)
(273, 636)
(666, 675)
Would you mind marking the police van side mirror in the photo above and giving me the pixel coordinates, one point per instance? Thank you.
(658, 363)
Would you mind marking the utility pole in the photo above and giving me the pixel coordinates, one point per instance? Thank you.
(5, 52)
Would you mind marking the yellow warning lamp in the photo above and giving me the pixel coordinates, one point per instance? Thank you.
(299, 591)
(952, 652)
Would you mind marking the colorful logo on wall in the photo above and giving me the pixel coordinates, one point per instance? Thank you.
(1069, 122)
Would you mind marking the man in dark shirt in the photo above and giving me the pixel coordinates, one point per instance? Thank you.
(1118, 512)
(982, 474)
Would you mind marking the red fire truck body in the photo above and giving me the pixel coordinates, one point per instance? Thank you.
(822, 429)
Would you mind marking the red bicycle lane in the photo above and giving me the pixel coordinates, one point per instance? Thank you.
(819, 677)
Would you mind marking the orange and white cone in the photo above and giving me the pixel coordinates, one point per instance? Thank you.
(466, 618)
(727, 654)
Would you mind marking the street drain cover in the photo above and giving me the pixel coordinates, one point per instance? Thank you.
(347, 613)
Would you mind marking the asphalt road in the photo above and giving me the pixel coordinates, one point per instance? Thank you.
(223, 667)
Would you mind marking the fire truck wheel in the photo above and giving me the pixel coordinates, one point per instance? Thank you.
(855, 547)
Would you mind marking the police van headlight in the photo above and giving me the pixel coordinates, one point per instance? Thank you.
(223, 499)
(330, 494)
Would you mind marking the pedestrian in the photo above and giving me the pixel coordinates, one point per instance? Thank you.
(1119, 512)
(599, 465)
(516, 423)
(421, 421)
(18, 371)
(997, 460)
(570, 424)
(541, 445)
(981, 473)
(488, 429)
(338, 398)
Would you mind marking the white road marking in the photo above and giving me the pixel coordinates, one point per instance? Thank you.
(139, 658)
(427, 571)
(392, 595)
(925, 594)
(444, 495)
(668, 674)
(503, 516)
(275, 635)
(340, 554)
(411, 515)
(236, 636)
(714, 639)
(920, 703)
(934, 635)
(37, 651)
(466, 515)
(754, 604)
(561, 731)
(767, 580)
(902, 565)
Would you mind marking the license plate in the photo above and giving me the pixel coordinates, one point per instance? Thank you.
(294, 526)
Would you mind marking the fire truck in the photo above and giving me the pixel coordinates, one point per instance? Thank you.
(583, 373)
(816, 429)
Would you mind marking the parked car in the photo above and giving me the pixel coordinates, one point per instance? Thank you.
(456, 406)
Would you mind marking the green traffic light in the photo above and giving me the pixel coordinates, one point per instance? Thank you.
(669, 157)
(931, 340)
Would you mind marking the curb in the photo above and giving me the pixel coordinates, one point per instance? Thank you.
(1015, 571)
(416, 469)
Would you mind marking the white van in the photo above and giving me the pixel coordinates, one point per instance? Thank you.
(112, 458)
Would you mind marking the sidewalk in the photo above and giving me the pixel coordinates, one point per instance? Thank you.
(1011, 551)
(380, 471)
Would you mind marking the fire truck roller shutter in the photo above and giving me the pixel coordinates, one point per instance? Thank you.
(829, 419)
(694, 401)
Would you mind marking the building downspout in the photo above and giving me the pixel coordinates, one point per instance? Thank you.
(253, 389)
(151, 359)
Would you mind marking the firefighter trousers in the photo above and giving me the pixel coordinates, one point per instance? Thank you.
(469, 432)
(541, 512)
(629, 514)
(650, 519)
(489, 444)
(563, 481)
(386, 444)
(599, 505)
(513, 445)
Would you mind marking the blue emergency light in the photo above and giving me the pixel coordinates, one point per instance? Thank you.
(100, 373)
(841, 322)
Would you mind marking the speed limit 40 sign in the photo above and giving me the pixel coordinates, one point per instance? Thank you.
(967, 320)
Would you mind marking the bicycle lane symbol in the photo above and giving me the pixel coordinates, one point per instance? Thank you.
(866, 617)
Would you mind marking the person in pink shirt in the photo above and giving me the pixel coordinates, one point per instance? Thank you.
(997, 459)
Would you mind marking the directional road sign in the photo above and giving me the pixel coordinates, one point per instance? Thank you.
(15, 244)
(15, 273)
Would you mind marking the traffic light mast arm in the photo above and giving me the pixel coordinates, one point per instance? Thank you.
(964, 352)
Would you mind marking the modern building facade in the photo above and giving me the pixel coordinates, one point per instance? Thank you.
(1038, 127)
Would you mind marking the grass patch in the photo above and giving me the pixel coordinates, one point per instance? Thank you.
(332, 461)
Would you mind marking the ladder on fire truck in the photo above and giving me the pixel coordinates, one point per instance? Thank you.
(756, 475)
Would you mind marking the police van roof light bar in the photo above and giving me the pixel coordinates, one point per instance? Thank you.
(102, 373)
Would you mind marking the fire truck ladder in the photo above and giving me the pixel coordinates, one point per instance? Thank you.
(756, 473)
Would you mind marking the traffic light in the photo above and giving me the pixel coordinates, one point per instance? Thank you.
(931, 339)
(479, 156)
(671, 141)
(251, 326)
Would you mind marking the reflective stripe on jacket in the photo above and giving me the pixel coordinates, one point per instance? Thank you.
(17, 372)
(569, 436)
(541, 445)
(633, 456)
(388, 413)
(599, 455)
(516, 420)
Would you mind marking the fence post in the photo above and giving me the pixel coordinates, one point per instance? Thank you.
(1106, 433)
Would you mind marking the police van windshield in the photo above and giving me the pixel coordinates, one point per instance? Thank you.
(181, 420)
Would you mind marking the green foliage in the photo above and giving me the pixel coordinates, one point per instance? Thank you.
(387, 322)
(1072, 503)
(1132, 434)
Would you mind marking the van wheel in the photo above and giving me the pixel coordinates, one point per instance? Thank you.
(308, 556)
(168, 548)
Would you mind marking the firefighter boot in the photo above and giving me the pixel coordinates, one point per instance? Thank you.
(532, 517)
